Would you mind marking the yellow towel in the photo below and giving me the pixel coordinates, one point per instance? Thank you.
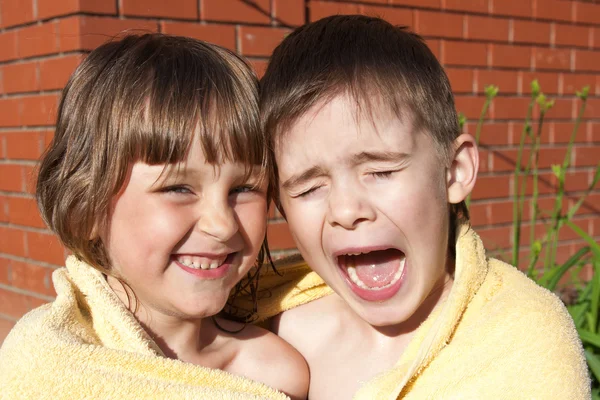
(497, 336)
(87, 345)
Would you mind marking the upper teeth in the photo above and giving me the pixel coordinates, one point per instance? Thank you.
(355, 254)
(200, 262)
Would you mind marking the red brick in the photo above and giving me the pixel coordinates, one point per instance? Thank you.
(12, 241)
(496, 237)
(436, 47)
(577, 181)
(8, 46)
(587, 12)
(586, 156)
(461, 80)
(318, 10)
(3, 211)
(223, 35)
(55, 72)
(478, 6)
(486, 28)
(556, 10)
(595, 37)
(548, 81)
(39, 110)
(235, 11)
(395, 16)
(279, 237)
(492, 133)
(546, 58)
(490, 187)
(11, 110)
(586, 60)
(53, 8)
(484, 160)
(575, 82)
(464, 53)
(37, 40)
(418, 3)
(507, 81)
(98, 30)
(562, 108)
(87, 33)
(184, 9)
(512, 8)
(592, 109)
(24, 145)
(44, 247)
(22, 77)
(470, 106)
(509, 107)
(33, 278)
(15, 12)
(259, 66)
(5, 327)
(572, 35)
(531, 32)
(289, 12)
(260, 41)
(437, 24)
(13, 304)
(562, 132)
(511, 56)
(24, 211)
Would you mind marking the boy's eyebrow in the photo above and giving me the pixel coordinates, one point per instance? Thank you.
(367, 156)
(307, 175)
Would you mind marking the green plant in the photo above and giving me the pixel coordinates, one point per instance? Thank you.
(585, 303)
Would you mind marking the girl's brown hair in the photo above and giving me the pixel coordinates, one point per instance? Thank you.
(141, 98)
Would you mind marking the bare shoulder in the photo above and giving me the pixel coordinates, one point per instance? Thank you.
(267, 358)
(311, 326)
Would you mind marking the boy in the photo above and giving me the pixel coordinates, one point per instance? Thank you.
(372, 176)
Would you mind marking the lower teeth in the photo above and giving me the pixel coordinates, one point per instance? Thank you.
(358, 282)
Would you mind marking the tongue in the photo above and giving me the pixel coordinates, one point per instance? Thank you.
(377, 268)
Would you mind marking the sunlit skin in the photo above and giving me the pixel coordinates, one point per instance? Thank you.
(351, 184)
(213, 214)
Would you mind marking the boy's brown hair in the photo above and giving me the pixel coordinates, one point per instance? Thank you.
(373, 62)
(141, 98)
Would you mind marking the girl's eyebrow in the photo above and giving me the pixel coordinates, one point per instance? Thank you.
(306, 175)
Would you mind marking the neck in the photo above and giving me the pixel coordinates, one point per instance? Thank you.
(177, 337)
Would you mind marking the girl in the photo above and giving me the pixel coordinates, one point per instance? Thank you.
(156, 182)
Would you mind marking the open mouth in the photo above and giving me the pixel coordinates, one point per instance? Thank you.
(374, 271)
(204, 263)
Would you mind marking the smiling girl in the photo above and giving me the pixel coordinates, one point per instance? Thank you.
(156, 182)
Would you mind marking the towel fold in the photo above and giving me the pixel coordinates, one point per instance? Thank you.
(87, 345)
(497, 335)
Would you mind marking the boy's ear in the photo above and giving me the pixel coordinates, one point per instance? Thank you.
(462, 173)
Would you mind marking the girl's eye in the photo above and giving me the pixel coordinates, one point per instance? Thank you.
(177, 189)
(243, 189)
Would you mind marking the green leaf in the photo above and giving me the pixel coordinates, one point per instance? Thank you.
(589, 337)
(555, 276)
(578, 312)
(595, 247)
(462, 120)
(583, 94)
(556, 169)
(593, 363)
(491, 91)
(535, 87)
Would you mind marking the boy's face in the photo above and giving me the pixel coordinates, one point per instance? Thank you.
(183, 239)
(367, 205)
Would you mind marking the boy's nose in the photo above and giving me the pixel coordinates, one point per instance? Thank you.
(348, 209)
(218, 221)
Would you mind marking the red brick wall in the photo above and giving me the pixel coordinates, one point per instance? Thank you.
(480, 42)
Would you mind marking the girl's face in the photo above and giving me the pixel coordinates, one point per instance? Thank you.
(182, 239)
